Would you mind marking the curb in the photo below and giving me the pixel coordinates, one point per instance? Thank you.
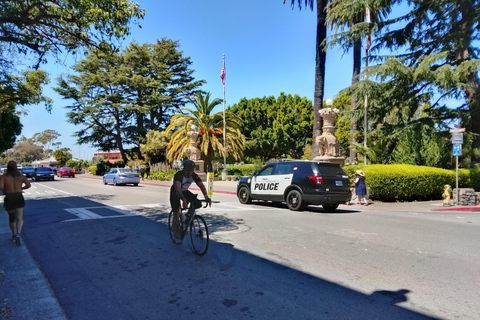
(458, 209)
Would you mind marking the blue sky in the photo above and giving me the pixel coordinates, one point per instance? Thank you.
(269, 48)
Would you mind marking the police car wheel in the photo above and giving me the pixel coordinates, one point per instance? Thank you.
(295, 200)
(330, 207)
(244, 195)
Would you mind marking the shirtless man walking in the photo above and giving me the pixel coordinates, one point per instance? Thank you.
(12, 183)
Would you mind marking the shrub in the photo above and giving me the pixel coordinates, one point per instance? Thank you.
(163, 175)
(242, 170)
(402, 182)
(118, 164)
(93, 170)
(102, 167)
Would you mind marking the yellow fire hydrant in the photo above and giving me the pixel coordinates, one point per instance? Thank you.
(447, 189)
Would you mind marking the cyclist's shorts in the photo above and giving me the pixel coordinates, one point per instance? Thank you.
(175, 201)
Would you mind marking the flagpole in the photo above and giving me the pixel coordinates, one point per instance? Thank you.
(224, 171)
(367, 17)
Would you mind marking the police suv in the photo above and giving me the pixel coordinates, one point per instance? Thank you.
(298, 183)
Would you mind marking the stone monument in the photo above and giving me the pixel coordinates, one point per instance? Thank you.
(194, 153)
(327, 142)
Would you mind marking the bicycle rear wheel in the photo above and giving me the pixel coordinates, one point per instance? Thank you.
(199, 235)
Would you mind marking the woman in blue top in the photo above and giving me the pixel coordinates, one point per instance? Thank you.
(360, 187)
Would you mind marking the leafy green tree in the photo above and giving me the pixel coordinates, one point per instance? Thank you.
(43, 27)
(47, 139)
(436, 59)
(62, 155)
(162, 83)
(210, 128)
(119, 97)
(347, 14)
(17, 91)
(10, 128)
(50, 26)
(275, 128)
(320, 59)
(25, 150)
(419, 146)
(155, 148)
(21, 89)
(72, 163)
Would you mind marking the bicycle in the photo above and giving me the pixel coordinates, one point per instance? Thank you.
(197, 225)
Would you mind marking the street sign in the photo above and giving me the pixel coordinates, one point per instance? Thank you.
(457, 137)
(457, 130)
(457, 150)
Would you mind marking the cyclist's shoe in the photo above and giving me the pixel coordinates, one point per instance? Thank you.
(177, 241)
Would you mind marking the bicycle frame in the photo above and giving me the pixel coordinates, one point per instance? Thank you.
(199, 236)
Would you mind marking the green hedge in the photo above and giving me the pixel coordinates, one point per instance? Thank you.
(163, 175)
(242, 170)
(403, 182)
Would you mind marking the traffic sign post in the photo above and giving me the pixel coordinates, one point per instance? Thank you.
(457, 140)
(457, 150)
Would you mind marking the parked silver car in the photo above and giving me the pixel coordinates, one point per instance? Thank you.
(118, 176)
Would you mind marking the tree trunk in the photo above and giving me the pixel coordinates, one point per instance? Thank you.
(472, 81)
(141, 133)
(357, 64)
(473, 96)
(320, 58)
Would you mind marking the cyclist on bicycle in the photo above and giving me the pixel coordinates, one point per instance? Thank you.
(179, 192)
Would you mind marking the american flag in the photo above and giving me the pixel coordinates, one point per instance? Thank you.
(369, 40)
(223, 74)
(368, 44)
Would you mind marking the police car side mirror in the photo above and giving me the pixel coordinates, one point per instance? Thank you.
(254, 173)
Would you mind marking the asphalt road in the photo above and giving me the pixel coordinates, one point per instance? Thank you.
(106, 254)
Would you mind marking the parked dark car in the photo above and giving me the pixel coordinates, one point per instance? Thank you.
(28, 172)
(66, 171)
(298, 183)
(54, 169)
(43, 173)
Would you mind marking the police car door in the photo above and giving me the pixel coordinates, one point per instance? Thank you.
(284, 174)
(263, 183)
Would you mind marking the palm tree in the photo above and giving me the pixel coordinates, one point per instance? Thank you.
(210, 128)
(320, 58)
(346, 14)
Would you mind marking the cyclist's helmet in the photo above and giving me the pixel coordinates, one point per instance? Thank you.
(188, 165)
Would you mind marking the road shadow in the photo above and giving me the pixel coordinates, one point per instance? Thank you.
(126, 267)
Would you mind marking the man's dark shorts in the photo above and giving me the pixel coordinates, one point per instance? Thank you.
(175, 201)
(13, 201)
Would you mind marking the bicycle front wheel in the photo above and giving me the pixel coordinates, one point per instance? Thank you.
(199, 235)
(171, 231)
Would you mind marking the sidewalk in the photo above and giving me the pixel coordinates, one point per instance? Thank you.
(24, 292)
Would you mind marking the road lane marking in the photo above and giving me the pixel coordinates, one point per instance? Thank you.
(86, 213)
